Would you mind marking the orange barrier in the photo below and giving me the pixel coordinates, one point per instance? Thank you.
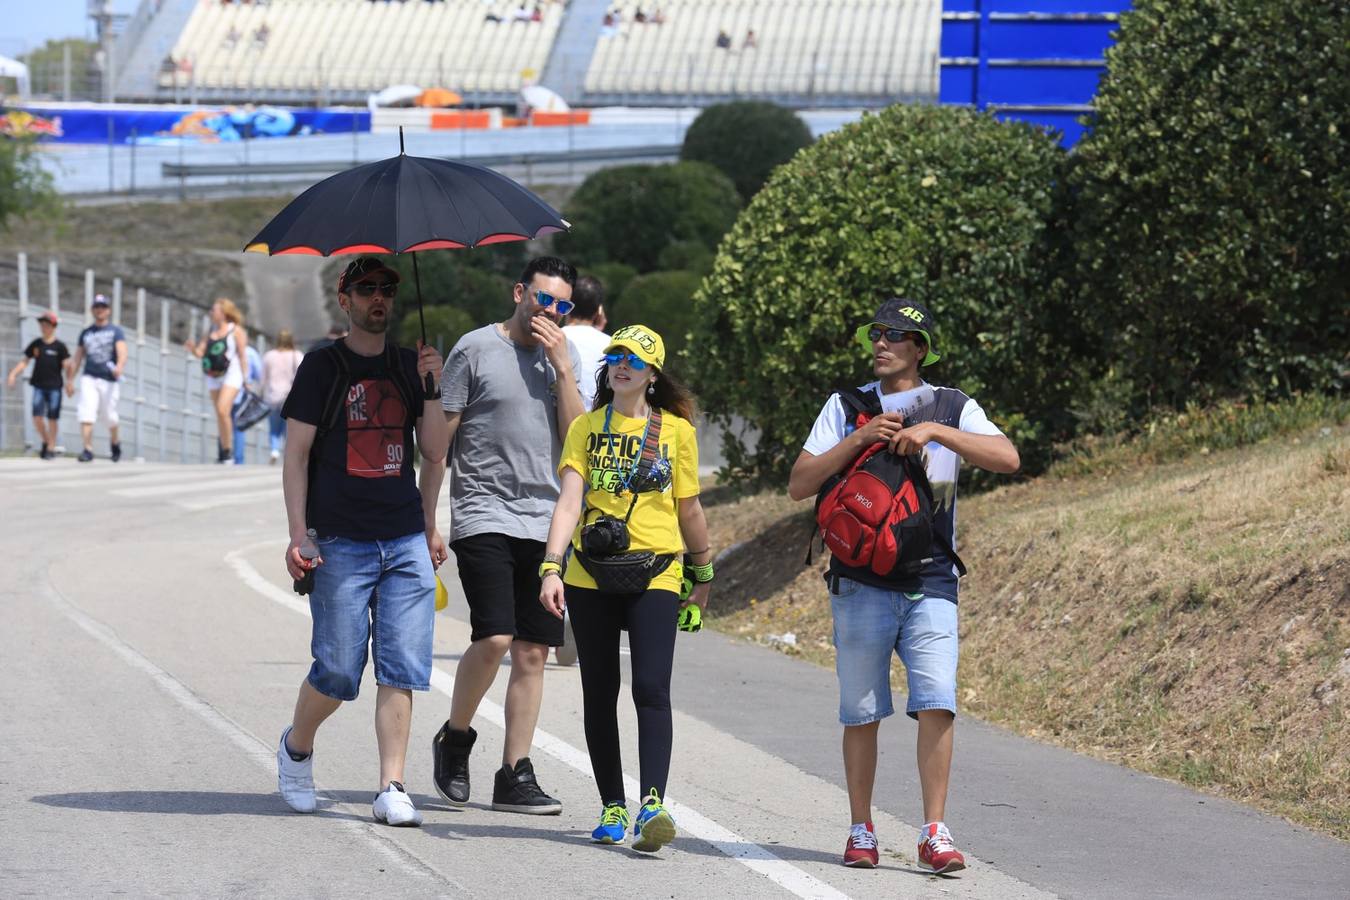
(461, 118)
(542, 119)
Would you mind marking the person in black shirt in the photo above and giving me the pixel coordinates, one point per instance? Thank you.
(348, 476)
(49, 362)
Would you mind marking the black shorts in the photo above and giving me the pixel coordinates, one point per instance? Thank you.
(500, 575)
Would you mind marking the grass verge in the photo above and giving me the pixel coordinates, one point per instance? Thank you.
(1190, 618)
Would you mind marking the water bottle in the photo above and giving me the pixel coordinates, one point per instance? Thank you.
(309, 551)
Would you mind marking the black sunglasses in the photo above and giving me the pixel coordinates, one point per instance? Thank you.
(368, 288)
(892, 335)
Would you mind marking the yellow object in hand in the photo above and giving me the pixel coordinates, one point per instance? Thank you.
(442, 595)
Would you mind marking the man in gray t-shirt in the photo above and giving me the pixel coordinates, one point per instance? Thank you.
(509, 391)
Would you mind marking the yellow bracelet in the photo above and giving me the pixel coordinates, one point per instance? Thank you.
(545, 568)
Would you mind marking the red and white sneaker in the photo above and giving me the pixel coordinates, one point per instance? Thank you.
(861, 850)
(936, 850)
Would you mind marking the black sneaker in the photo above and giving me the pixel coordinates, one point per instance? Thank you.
(116, 452)
(518, 792)
(450, 751)
(86, 455)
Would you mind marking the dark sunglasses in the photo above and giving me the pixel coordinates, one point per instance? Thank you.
(548, 300)
(892, 335)
(636, 362)
(368, 288)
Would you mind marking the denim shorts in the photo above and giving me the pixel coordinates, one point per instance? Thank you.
(47, 403)
(870, 624)
(378, 596)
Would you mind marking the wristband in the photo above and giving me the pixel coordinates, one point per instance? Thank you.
(550, 566)
(702, 574)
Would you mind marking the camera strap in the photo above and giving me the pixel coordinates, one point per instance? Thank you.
(651, 444)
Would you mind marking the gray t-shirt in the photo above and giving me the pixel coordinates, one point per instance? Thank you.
(504, 459)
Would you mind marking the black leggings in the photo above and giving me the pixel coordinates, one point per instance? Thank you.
(650, 619)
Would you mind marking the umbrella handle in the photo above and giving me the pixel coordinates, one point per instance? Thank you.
(433, 390)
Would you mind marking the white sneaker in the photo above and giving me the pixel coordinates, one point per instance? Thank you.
(393, 806)
(295, 780)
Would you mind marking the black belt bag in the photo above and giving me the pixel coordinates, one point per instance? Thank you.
(624, 573)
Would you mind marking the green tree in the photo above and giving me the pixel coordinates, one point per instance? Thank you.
(615, 278)
(939, 204)
(46, 68)
(663, 301)
(445, 326)
(1212, 201)
(26, 189)
(629, 214)
(747, 140)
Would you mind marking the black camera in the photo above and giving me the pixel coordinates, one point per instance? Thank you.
(605, 536)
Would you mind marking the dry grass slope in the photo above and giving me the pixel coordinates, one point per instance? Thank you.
(1190, 619)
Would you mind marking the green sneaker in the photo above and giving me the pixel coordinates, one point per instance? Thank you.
(613, 827)
(654, 826)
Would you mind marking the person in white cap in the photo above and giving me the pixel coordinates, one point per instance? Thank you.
(103, 350)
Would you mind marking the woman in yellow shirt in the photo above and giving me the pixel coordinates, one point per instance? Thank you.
(629, 507)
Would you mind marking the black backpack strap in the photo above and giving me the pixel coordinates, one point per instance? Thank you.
(337, 391)
(857, 401)
(399, 375)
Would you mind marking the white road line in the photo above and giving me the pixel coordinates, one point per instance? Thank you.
(753, 856)
(201, 484)
(230, 498)
(255, 750)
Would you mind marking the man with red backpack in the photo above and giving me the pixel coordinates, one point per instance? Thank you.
(885, 459)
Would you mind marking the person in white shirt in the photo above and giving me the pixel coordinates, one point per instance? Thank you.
(585, 328)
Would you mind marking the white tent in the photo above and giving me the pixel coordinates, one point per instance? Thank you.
(12, 68)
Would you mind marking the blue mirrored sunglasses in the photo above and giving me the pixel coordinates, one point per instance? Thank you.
(636, 362)
(546, 300)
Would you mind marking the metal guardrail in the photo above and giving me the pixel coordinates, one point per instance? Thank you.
(302, 167)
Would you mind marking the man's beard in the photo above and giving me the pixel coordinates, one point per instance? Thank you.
(371, 324)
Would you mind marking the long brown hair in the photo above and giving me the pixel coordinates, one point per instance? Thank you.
(668, 394)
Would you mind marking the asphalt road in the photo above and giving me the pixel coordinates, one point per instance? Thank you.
(152, 650)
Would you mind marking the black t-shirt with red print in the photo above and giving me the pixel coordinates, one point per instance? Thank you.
(363, 486)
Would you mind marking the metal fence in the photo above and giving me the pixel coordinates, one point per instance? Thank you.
(165, 411)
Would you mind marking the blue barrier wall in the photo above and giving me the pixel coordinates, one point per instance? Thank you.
(1031, 60)
(93, 124)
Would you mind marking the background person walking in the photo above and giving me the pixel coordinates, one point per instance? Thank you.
(279, 366)
(223, 352)
(912, 614)
(348, 475)
(585, 328)
(102, 347)
(49, 363)
(630, 465)
(510, 393)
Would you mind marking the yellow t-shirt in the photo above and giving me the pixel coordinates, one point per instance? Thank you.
(604, 460)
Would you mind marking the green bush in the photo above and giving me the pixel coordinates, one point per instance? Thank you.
(26, 188)
(445, 326)
(664, 301)
(938, 204)
(629, 214)
(615, 278)
(461, 279)
(686, 256)
(1212, 200)
(747, 140)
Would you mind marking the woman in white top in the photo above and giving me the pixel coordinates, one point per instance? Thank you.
(279, 366)
(222, 352)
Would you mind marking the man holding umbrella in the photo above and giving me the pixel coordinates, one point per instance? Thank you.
(510, 393)
(348, 476)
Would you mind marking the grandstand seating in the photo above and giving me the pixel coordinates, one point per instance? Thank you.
(809, 52)
(353, 46)
(806, 49)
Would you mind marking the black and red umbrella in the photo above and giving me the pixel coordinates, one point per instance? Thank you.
(407, 204)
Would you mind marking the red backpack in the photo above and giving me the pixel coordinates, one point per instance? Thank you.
(877, 516)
